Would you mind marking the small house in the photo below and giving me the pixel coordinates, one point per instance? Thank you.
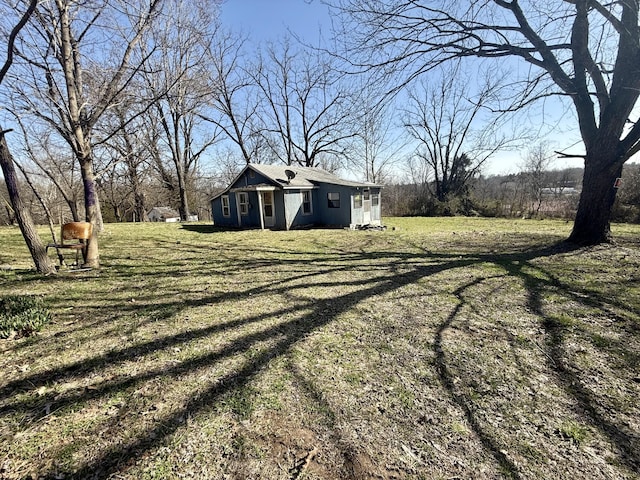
(285, 197)
(163, 214)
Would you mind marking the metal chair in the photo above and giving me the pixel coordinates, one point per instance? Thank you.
(73, 236)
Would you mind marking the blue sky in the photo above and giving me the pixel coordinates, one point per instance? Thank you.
(265, 20)
(270, 19)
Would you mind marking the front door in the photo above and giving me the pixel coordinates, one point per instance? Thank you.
(268, 210)
(366, 207)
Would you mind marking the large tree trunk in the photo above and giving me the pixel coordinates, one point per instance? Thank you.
(140, 209)
(592, 222)
(25, 222)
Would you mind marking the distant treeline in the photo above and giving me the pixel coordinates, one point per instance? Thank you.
(553, 194)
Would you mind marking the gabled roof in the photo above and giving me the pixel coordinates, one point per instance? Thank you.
(305, 177)
(165, 212)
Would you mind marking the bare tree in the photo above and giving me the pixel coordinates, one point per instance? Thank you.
(534, 173)
(235, 95)
(378, 143)
(69, 84)
(454, 141)
(38, 251)
(54, 163)
(127, 147)
(21, 211)
(178, 81)
(307, 114)
(586, 50)
(629, 198)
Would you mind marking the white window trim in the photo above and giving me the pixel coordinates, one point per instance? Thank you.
(226, 207)
(244, 204)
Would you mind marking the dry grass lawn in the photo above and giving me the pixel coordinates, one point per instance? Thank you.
(443, 348)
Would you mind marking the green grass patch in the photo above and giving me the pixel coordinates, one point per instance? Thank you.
(22, 315)
(574, 431)
(439, 348)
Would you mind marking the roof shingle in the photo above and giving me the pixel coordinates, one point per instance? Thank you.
(304, 176)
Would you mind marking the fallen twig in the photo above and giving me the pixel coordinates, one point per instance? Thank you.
(305, 463)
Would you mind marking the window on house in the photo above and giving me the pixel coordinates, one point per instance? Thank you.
(375, 199)
(367, 195)
(226, 211)
(334, 199)
(306, 203)
(357, 201)
(243, 200)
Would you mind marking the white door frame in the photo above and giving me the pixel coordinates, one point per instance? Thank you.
(267, 221)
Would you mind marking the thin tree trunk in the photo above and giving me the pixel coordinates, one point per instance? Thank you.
(37, 249)
(139, 206)
(184, 199)
(11, 216)
(184, 205)
(73, 207)
(92, 212)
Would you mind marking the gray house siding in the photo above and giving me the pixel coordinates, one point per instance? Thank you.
(250, 177)
(365, 205)
(216, 211)
(349, 213)
(296, 216)
(376, 209)
(331, 215)
(292, 207)
(289, 197)
(252, 216)
(279, 206)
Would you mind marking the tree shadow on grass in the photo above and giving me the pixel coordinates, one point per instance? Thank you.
(447, 379)
(539, 282)
(283, 337)
(199, 228)
(401, 269)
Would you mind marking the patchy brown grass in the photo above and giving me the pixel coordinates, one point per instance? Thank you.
(446, 348)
